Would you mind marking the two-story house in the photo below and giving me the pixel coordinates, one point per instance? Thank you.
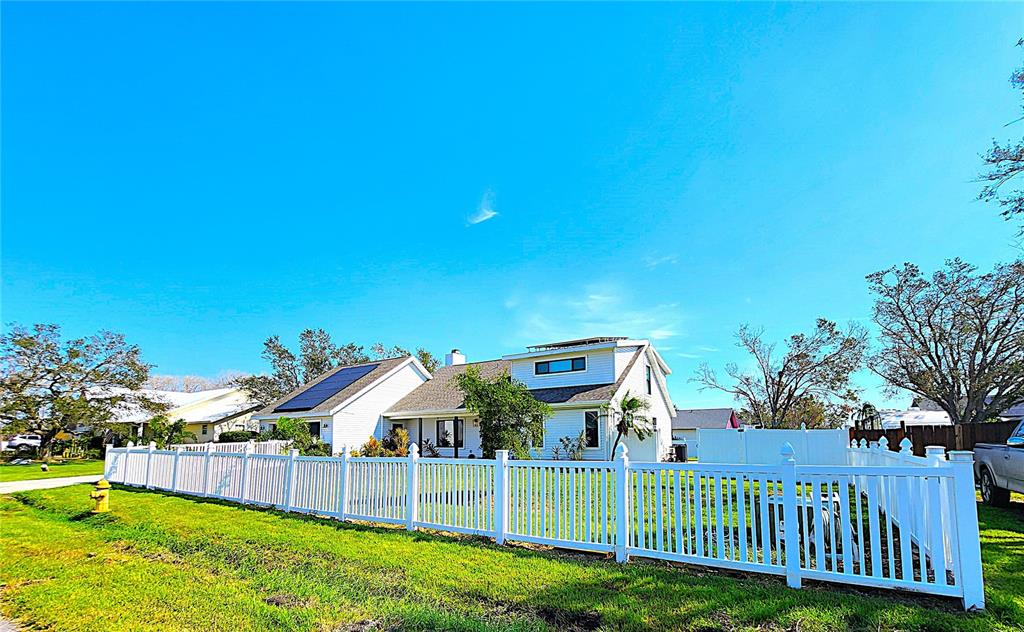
(577, 378)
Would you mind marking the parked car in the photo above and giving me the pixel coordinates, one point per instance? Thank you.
(24, 442)
(999, 468)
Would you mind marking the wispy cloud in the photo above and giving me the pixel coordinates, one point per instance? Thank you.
(485, 210)
(600, 309)
(654, 262)
(691, 356)
(707, 349)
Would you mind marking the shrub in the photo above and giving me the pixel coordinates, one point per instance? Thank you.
(236, 436)
(396, 442)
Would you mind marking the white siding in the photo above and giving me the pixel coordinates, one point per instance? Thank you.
(653, 448)
(569, 423)
(361, 419)
(600, 370)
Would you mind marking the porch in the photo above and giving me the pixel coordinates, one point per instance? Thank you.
(453, 436)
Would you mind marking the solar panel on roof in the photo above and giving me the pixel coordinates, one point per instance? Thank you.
(324, 389)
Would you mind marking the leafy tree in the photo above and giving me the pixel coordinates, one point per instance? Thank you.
(1003, 162)
(630, 416)
(317, 355)
(164, 432)
(956, 339)
(510, 418)
(814, 370)
(867, 417)
(50, 385)
(427, 359)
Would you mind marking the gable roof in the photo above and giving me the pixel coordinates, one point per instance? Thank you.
(707, 418)
(326, 406)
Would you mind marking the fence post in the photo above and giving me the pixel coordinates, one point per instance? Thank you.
(174, 469)
(250, 446)
(621, 503)
(289, 479)
(246, 453)
(343, 486)
(790, 519)
(149, 463)
(412, 488)
(969, 539)
(207, 472)
(501, 496)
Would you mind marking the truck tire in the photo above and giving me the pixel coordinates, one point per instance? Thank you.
(992, 495)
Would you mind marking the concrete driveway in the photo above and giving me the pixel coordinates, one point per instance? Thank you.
(46, 483)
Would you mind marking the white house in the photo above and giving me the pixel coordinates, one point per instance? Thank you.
(344, 406)
(206, 413)
(577, 378)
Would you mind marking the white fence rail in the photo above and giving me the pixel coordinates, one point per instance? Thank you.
(884, 519)
(255, 447)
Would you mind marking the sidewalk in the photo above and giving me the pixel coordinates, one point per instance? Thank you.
(46, 483)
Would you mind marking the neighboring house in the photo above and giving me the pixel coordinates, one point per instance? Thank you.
(894, 419)
(344, 406)
(206, 413)
(687, 422)
(577, 378)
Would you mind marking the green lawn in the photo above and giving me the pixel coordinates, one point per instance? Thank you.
(31, 472)
(165, 562)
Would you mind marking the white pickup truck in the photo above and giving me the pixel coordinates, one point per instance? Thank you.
(999, 468)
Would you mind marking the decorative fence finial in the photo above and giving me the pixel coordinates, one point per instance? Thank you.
(906, 446)
(622, 451)
(883, 443)
(414, 449)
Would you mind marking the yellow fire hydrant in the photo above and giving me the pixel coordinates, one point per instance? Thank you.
(101, 496)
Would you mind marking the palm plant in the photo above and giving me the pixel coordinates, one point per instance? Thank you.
(630, 414)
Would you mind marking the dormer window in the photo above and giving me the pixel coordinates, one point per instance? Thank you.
(650, 391)
(565, 365)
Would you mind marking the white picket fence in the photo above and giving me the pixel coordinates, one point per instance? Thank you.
(275, 446)
(883, 519)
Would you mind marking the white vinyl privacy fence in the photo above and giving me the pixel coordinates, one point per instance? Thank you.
(882, 519)
(761, 446)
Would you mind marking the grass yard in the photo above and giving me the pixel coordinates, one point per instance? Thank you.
(165, 562)
(10, 473)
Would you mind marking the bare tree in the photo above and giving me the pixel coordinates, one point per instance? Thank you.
(812, 375)
(957, 339)
(1004, 162)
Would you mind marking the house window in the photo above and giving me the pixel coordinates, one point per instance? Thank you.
(565, 365)
(444, 432)
(314, 429)
(649, 380)
(590, 427)
(206, 429)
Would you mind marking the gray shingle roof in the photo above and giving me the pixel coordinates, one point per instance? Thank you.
(383, 366)
(701, 418)
(441, 393)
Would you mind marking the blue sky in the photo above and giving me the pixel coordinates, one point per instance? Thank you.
(200, 176)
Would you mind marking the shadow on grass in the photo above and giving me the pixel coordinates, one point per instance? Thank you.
(702, 585)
